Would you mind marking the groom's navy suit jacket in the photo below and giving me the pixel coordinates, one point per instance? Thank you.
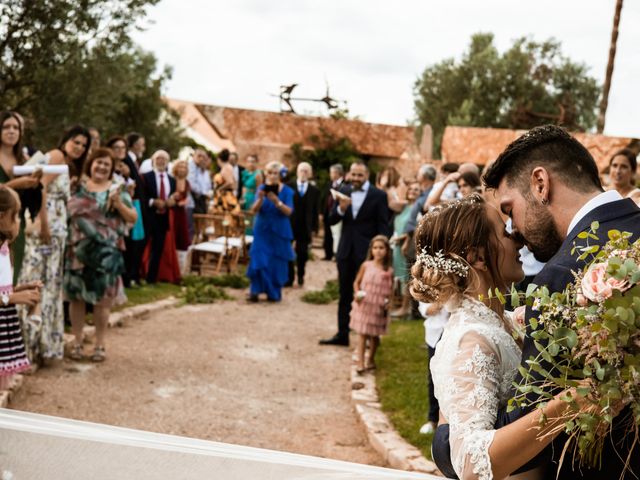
(621, 215)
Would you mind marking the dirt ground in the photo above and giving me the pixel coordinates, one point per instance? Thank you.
(232, 372)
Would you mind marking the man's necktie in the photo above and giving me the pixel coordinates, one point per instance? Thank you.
(301, 190)
(163, 194)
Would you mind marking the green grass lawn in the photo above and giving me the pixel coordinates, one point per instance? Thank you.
(401, 378)
(149, 293)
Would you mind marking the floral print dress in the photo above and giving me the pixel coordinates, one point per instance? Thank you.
(45, 263)
(94, 262)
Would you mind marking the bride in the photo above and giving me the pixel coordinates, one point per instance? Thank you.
(465, 251)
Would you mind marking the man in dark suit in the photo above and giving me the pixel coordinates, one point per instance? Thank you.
(304, 219)
(363, 210)
(159, 190)
(135, 248)
(336, 177)
(237, 173)
(548, 183)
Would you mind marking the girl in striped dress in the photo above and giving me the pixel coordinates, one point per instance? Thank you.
(370, 308)
(13, 356)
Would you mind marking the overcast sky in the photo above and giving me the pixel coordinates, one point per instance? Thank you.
(236, 53)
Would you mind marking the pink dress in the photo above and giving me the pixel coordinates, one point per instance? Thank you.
(369, 317)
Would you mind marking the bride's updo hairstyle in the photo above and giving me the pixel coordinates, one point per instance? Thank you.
(445, 238)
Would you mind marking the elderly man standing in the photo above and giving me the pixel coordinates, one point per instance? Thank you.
(200, 183)
(364, 212)
(159, 188)
(304, 219)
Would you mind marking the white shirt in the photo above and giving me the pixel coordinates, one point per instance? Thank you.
(199, 179)
(449, 193)
(167, 186)
(357, 199)
(302, 187)
(595, 202)
(433, 324)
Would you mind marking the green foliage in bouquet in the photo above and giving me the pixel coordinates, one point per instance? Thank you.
(590, 336)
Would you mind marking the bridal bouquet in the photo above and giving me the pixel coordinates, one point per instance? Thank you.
(590, 335)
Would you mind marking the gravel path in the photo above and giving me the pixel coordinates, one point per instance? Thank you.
(232, 372)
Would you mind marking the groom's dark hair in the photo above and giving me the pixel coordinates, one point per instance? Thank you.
(547, 146)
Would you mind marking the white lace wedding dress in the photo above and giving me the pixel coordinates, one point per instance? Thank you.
(473, 369)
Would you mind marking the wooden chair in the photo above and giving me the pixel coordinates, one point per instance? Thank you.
(211, 248)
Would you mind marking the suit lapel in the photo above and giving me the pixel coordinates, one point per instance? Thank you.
(604, 213)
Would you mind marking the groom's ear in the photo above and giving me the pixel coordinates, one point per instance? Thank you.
(476, 258)
(540, 184)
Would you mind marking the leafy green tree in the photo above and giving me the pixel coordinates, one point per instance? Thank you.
(68, 61)
(530, 84)
(326, 149)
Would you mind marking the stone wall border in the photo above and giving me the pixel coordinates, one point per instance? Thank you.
(395, 450)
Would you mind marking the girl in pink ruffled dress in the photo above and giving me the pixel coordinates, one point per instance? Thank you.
(369, 311)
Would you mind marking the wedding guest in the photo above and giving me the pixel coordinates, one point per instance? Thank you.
(446, 189)
(304, 219)
(135, 238)
(364, 212)
(27, 186)
(238, 171)
(370, 307)
(95, 138)
(331, 232)
(398, 240)
(251, 179)
(435, 318)
(391, 183)
(13, 356)
(45, 246)
(160, 257)
(72, 150)
(99, 211)
(271, 249)
(201, 186)
(137, 145)
(180, 172)
(225, 186)
(426, 178)
(468, 183)
(622, 171)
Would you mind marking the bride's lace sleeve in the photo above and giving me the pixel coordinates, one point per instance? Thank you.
(472, 404)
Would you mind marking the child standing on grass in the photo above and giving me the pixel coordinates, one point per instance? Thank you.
(369, 311)
(13, 355)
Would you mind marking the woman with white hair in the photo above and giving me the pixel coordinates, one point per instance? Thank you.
(271, 249)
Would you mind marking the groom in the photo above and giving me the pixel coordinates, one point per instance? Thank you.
(548, 183)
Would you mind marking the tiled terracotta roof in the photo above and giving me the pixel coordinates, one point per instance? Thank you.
(283, 129)
(483, 145)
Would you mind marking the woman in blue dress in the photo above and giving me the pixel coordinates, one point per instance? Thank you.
(271, 250)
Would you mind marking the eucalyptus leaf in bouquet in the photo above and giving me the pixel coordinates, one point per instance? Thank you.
(589, 336)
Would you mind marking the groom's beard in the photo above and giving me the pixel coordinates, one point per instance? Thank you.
(540, 232)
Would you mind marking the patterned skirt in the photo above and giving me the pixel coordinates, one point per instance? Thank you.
(13, 356)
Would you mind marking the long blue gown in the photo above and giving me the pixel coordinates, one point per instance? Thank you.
(271, 250)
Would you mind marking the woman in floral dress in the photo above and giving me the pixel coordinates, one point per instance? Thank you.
(45, 244)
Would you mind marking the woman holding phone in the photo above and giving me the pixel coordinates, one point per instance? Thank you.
(271, 250)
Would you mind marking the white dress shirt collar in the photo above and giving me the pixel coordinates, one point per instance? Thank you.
(595, 202)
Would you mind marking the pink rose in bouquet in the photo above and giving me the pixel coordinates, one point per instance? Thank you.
(597, 285)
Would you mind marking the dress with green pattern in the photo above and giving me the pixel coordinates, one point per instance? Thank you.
(94, 262)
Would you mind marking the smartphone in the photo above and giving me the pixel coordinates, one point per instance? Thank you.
(271, 188)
